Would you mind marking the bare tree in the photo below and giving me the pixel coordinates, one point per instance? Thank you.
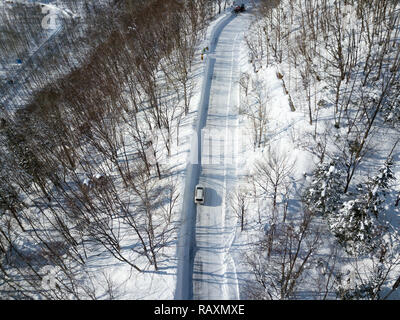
(280, 265)
(272, 173)
(239, 204)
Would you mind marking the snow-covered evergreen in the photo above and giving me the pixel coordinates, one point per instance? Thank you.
(325, 191)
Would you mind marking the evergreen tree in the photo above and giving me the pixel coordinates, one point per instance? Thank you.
(324, 193)
(356, 224)
(378, 186)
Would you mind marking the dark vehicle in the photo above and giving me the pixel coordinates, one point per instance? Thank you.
(239, 9)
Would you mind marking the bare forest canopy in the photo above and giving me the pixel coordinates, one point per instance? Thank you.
(339, 65)
(75, 165)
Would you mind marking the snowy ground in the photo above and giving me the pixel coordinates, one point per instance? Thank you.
(179, 274)
(207, 253)
(104, 275)
(170, 282)
(283, 125)
(227, 156)
(289, 133)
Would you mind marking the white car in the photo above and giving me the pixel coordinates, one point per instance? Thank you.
(199, 194)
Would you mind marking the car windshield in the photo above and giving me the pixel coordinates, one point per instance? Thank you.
(199, 194)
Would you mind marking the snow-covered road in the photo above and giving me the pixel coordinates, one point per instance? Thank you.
(213, 272)
(210, 228)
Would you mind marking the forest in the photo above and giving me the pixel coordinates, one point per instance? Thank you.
(82, 140)
(92, 118)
